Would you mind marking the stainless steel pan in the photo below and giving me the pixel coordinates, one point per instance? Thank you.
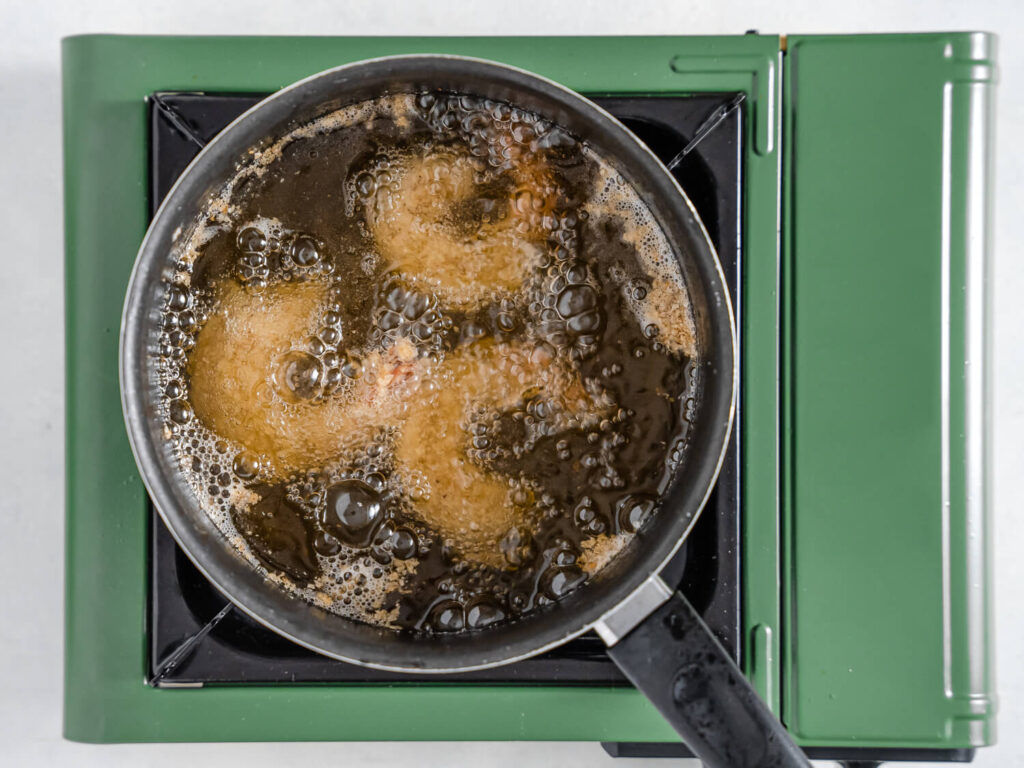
(653, 633)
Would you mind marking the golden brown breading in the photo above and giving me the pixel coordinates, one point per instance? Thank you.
(467, 503)
(417, 230)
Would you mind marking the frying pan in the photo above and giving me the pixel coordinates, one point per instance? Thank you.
(653, 633)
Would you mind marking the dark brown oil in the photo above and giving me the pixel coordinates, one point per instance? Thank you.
(350, 532)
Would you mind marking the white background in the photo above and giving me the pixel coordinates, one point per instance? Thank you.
(31, 323)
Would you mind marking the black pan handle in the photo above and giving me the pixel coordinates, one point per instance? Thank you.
(675, 661)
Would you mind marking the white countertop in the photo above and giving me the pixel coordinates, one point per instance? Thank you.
(31, 301)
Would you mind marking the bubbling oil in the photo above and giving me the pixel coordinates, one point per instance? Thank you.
(428, 362)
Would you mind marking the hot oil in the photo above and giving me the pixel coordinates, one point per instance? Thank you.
(428, 362)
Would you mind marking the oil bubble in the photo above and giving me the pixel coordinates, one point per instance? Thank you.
(332, 378)
(558, 582)
(375, 481)
(633, 511)
(246, 465)
(330, 335)
(316, 347)
(298, 376)
(588, 322)
(448, 616)
(388, 320)
(178, 298)
(354, 512)
(180, 412)
(326, 545)
(252, 240)
(484, 613)
(352, 366)
(305, 251)
(505, 322)
(403, 543)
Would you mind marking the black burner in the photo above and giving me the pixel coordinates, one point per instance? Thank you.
(195, 638)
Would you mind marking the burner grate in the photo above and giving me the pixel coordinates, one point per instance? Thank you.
(197, 638)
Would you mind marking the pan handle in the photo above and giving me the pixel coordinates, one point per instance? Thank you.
(675, 661)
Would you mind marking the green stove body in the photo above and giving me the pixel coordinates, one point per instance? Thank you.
(865, 613)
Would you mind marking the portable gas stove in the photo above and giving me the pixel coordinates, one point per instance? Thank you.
(843, 558)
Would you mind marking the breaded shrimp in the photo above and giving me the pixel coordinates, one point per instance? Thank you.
(234, 373)
(467, 503)
(467, 234)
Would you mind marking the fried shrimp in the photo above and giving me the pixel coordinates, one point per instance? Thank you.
(468, 232)
(252, 381)
(468, 504)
